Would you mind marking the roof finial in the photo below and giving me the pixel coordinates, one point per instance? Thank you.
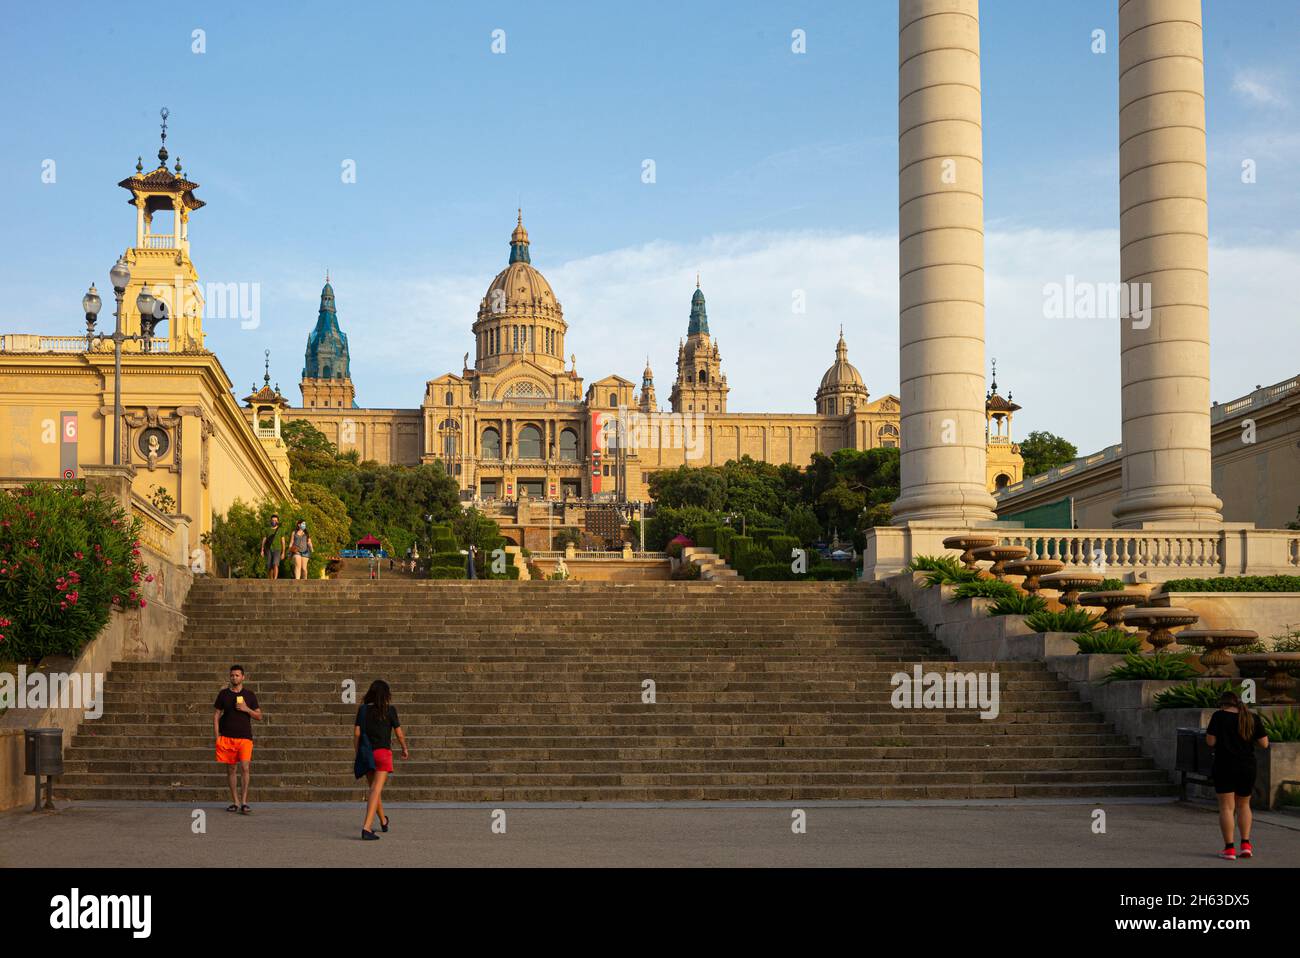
(266, 375)
(162, 150)
(697, 279)
(327, 275)
(995, 377)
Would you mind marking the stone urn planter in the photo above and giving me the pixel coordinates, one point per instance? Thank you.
(1157, 623)
(1114, 601)
(1216, 642)
(968, 542)
(999, 556)
(1279, 685)
(1031, 569)
(1070, 584)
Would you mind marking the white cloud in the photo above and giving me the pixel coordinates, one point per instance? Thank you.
(623, 304)
(1257, 89)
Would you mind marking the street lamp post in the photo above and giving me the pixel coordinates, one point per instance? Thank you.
(152, 311)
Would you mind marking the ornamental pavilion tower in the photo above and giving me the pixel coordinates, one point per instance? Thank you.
(700, 385)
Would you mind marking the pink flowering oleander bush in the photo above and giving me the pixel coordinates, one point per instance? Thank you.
(68, 556)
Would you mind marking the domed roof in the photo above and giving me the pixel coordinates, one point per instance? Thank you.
(843, 373)
(519, 289)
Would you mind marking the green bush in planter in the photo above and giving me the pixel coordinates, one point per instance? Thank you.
(1164, 665)
(68, 556)
(1022, 603)
(1108, 642)
(1075, 619)
(985, 589)
(1194, 695)
(1282, 726)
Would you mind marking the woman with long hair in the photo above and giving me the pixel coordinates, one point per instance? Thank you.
(300, 548)
(377, 721)
(1233, 733)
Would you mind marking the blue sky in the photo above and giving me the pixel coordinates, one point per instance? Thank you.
(774, 172)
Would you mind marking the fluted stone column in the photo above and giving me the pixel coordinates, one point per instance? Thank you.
(941, 264)
(1164, 355)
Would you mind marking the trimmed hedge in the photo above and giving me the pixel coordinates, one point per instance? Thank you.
(833, 573)
(722, 540)
(446, 572)
(447, 559)
(781, 547)
(762, 534)
(1245, 583)
(735, 546)
(773, 572)
(705, 536)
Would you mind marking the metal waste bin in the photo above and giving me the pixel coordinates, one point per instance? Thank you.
(1194, 758)
(44, 756)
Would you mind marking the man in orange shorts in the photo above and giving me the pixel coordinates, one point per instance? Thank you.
(232, 723)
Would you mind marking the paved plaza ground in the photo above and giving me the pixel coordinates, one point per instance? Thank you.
(969, 834)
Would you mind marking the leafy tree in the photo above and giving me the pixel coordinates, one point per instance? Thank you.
(301, 436)
(1043, 451)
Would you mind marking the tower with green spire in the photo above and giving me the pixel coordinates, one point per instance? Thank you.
(700, 386)
(327, 373)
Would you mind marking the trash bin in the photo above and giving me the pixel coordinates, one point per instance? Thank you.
(44, 756)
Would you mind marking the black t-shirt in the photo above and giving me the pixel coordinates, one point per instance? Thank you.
(233, 723)
(379, 731)
(1229, 746)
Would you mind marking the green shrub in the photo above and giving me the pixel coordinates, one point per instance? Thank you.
(447, 559)
(446, 572)
(930, 563)
(746, 554)
(772, 572)
(985, 589)
(1164, 665)
(442, 540)
(1245, 583)
(1194, 695)
(1282, 726)
(722, 539)
(705, 535)
(780, 547)
(1074, 619)
(833, 572)
(68, 555)
(762, 534)
(686, 572)
(1022, 603)
(1108, 641)
(736, 546)
(1110, 585)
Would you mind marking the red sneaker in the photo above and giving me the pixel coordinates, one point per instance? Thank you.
(1229, 853)
(1246, 850)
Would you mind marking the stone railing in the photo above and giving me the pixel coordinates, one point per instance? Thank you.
(1260, 397)
(1141, 555)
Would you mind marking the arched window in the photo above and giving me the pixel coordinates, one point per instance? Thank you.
(569, 445)
(613, 399)
(704, 375)
(888, 435)
(327, 372)
(491, 444)
(530, 443)
(450, 397)
(1002, 480)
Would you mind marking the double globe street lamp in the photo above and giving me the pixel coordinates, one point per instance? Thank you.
(153, 311)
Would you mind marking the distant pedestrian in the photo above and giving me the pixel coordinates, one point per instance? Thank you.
(300, 549)
(372, 740)
(1233, 733)
(273, 547)
(232, 724)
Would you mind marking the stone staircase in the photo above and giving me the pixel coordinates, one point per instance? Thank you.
(712, 566)
(532, 691)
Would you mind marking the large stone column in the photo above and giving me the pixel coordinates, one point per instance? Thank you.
(1164, 352)
(941, 264)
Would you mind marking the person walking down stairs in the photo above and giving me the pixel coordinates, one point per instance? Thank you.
(232, 724)
(372, 740)
(1233, 733)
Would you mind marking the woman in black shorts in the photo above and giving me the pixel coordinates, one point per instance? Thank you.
(1233, 733)
(377, 717)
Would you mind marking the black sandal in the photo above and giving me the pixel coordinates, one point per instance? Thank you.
(368, 836)
(383, 824)
(245, 810)
(232, 808)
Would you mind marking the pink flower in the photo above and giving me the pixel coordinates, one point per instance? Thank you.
(78, 555)
(135, 577)
(148, 578)
(143, 603)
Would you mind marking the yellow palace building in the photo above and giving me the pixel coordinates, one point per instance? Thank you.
(519, 421)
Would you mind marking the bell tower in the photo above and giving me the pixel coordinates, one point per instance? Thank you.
(700, 385)
(160, 257)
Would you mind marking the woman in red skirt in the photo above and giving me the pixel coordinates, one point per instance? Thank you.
(379, 715)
